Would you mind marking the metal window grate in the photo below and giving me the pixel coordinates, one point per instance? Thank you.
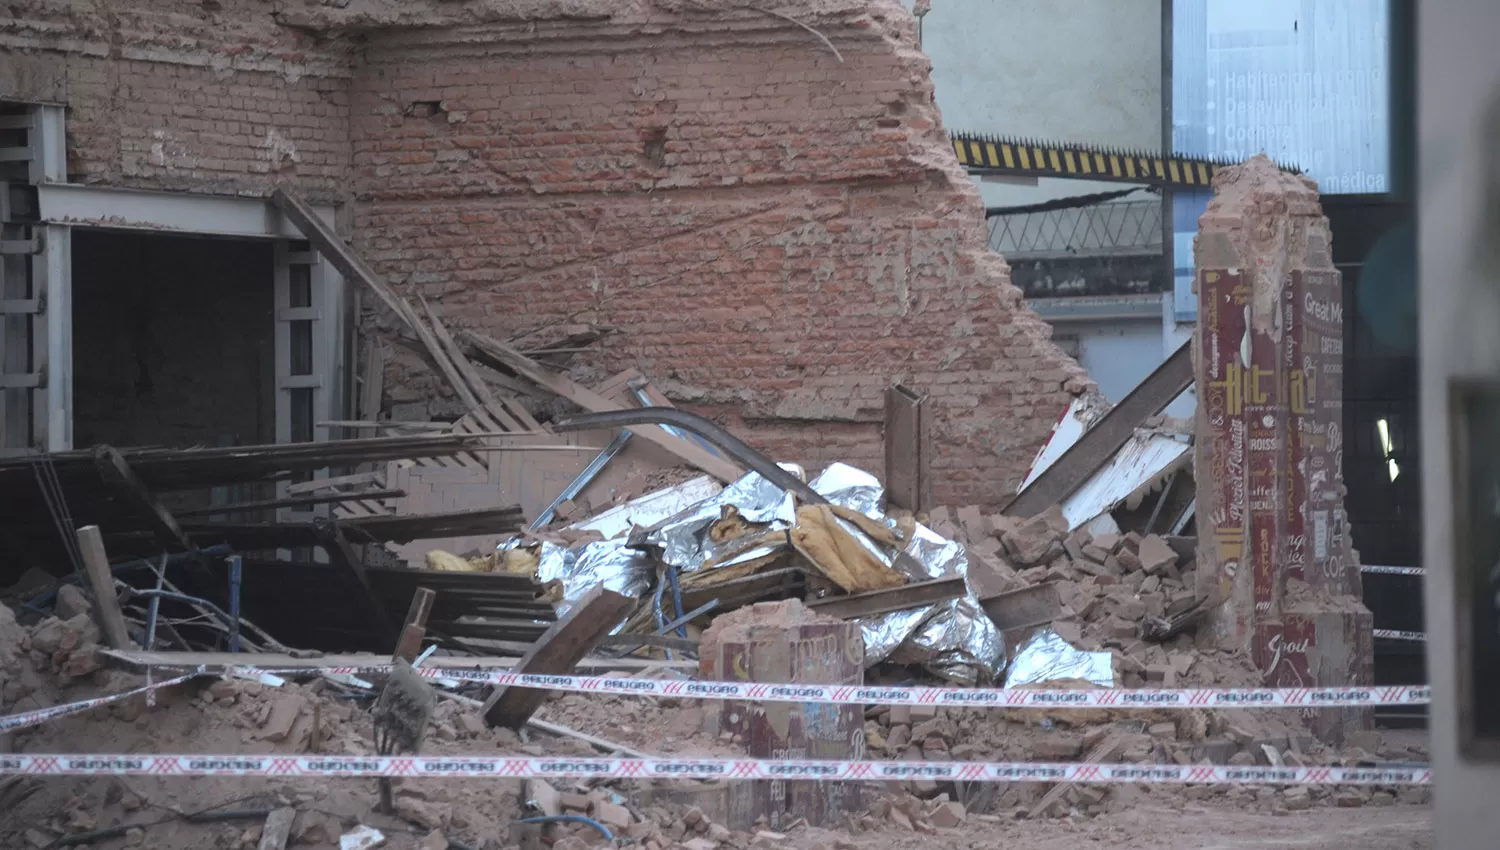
(1120, 227)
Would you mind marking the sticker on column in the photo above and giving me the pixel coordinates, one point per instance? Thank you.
(1320, 535)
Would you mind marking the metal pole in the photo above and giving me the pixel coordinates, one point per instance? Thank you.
(161, 579)
(235, 566)
(1168, 228)
(577, 484)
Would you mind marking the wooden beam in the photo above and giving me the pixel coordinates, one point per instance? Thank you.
(96, 564)
(372, 391)
(317, 484)
(294, 502)
(557, 651)
(602, 744)
(353, 267)
(465, 369)
(690, 452)
(117, 473)
(1099, 443)
(1106, 749)
(278, 827)
(384, 528)
(409, 646)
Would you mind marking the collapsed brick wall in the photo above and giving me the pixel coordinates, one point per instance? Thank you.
(779, 232)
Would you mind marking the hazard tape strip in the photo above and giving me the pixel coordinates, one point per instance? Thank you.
(1393, 571)
(1397, 634)
(31, 718)
(685, 768)
(948, 697)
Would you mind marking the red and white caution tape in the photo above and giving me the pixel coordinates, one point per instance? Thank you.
(1397, 634)
(685, 768)
(41, 715)
(1393, 571)
(948, 697)
(956, 697)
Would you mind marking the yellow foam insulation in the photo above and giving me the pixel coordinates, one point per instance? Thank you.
(838, 554)
(448, 562)
(521, 561)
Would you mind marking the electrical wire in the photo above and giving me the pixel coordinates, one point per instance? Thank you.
(603, 830)
(57, 505)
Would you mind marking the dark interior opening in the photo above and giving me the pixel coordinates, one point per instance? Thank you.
(1373, 249)
(172, 340)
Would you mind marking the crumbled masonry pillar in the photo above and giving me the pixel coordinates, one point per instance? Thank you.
(785, 642)
(1273, 539)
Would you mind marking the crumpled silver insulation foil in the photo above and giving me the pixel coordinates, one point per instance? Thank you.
(1046, 657)
(955, 639)
(683, 539)
(605, 562)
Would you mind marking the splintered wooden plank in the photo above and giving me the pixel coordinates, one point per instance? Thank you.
(497, 420)
(117, 472)
(557, 652)
(373, 390)
(1105, 750)
(353, 267)
(690, 452)
(410, 643)
(96, 563)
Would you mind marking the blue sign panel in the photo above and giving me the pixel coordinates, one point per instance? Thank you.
(1303, 81)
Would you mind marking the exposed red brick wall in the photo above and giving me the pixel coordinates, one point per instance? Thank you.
(779, 234)
(166, 94)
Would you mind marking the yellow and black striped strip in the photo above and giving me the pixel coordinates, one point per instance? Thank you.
(1028, 158)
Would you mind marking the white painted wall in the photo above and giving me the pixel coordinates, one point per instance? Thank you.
(1085, 71)
(1458, 83)
(1118, 353)
(1069, 70)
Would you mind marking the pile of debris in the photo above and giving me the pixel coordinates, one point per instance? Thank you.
(624, 571)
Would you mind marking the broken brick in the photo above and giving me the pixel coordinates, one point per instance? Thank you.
(611, 815)
(948, 815)
(1126, 606)
(284, 713)
(1155, 555)
(1035, 541)
(1296, 798)
(1108, 542)
(971, 519)
(1181, 601)
(1162, 730)
(1060, 746)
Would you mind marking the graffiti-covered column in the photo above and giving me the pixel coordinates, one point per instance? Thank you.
(1273, 541)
